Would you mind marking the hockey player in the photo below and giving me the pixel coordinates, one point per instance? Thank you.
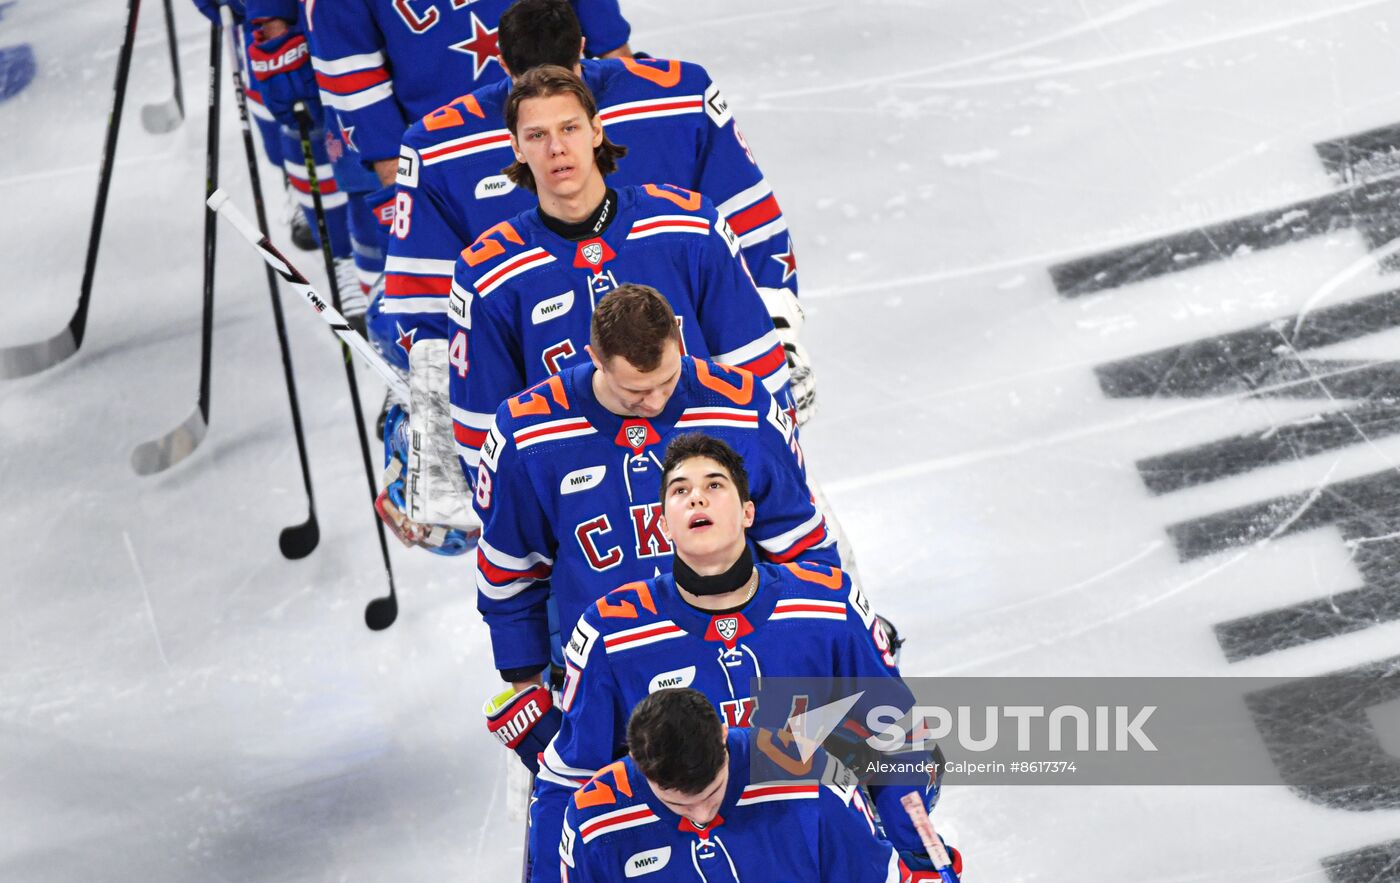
(383, 64)
(698, 801)
(673, 120)
(715, 622)
(523, 293)
(567, 488)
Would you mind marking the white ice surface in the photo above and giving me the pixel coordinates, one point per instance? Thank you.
(178, 702)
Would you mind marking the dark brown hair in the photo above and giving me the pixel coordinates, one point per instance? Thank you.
(547, 81)
(536, 32)
(690, 445)
(634, 322)
(677, 741)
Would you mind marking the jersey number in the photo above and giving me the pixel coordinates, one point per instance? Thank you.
(487, 246)
(457, 354)
(403, 210)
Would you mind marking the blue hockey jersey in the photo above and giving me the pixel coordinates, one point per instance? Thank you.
(523, 297)
(569, 496)
(676, 125)
(383, 63)
(805, 621)
(773, 826)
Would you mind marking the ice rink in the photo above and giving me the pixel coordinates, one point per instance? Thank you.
(1098, 298)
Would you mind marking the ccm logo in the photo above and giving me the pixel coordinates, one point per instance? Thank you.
(582, 479)
(496, 185)
(648, 862)
(671, 680)
(510, 732)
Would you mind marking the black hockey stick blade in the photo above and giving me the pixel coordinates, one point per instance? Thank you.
(300, 540)
(162, 116)
(160, 454)
(31, 358)
(381, 612)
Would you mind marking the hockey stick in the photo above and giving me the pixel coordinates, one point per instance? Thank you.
(160, 454)
(914, 805)
(381, 612)
(299, 540)
(31, 358)
(166, 115)
(225, 208)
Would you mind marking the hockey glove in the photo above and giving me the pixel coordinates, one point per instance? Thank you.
(282, 66)
(436, 538)
(210, 9)
(524, 721)
(787, 319)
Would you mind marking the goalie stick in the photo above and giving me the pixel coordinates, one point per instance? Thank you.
(165, 116)
(914, 806)
(298, 540)
(159, 454)
(31, 358)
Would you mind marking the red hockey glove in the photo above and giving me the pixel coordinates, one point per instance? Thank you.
(524, 721)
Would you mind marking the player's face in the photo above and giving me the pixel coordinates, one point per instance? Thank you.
(556, 138)
(703, 514)
(639, 393)
(699, 808)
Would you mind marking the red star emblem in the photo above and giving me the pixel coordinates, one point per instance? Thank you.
(347, 134)
(789, 261)
(405, 337)
(482, 46)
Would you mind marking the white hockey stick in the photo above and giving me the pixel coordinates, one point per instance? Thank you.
(219, 202)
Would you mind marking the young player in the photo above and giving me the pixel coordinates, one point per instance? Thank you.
(568, 483)
(523, 293)
(674, 121)
(384, 63)
(714, 623)
(696, 800)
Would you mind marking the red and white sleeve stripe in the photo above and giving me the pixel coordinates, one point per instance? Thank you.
(500, 576)
(353, 82)
(469, 430)
(789, 546)
(754, 214)
(416, 285)
(763, 358)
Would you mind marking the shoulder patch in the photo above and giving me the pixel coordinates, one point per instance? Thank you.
(408, 167)
(581, 643)
(840, 779)
(722, 228)
(780, 419)
(459, 301)
(566, 844)
(716, 107)
(861, 605)
(491, 448)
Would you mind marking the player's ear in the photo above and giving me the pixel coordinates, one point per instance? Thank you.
(515, 148)
(582, 44)
(597, 123)
(593, 357)
(749, 511)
